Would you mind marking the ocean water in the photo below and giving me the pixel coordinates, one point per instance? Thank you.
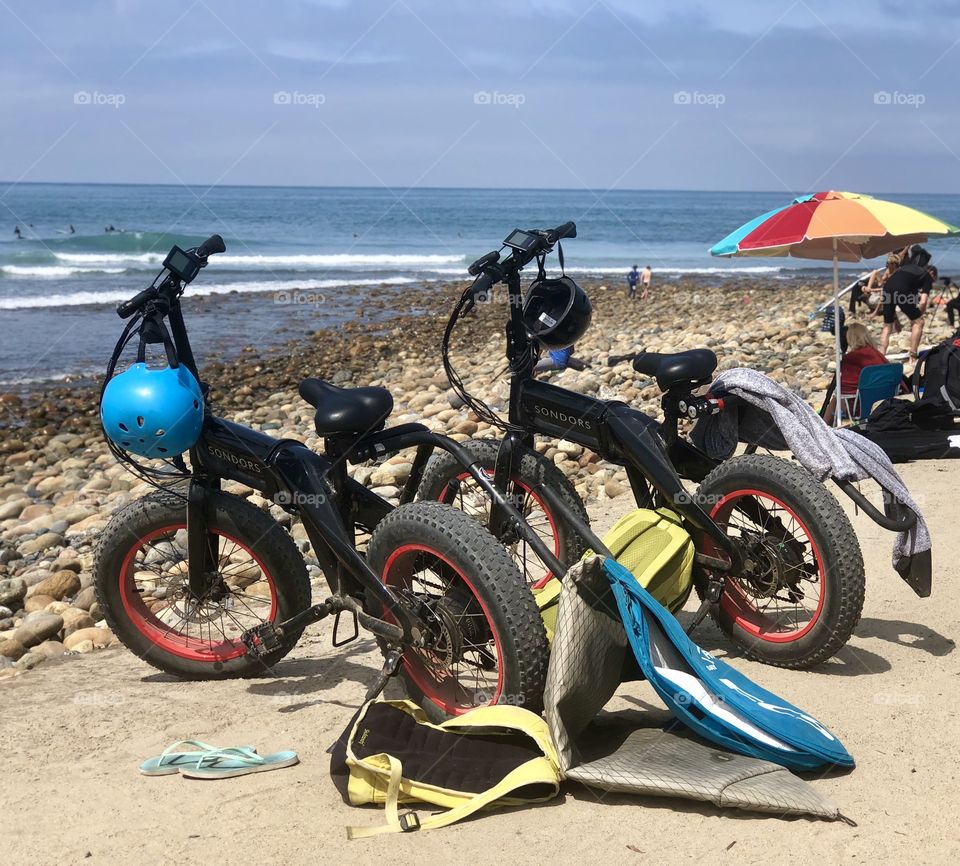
(303, 258)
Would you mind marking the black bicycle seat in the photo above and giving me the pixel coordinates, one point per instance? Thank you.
(346, 410)
(690, 369)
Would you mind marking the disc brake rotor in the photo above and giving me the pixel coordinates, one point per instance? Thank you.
(456, 627)
(772, 565)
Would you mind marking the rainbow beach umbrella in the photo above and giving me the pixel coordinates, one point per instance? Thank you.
(837, 226)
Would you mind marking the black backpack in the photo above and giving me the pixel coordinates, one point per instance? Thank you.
(938, 373)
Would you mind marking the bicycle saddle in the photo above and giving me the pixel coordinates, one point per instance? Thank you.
(346, 410)
(689, 369)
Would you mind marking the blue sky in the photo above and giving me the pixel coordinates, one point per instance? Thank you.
(793, 95)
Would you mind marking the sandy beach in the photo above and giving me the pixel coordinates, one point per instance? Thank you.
(75, 726)
(75, 731)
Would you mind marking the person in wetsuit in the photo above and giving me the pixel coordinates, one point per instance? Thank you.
(907, 288)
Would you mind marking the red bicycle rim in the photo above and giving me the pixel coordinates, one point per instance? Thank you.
(447, 692)
(161, 634)
(537, 584)
(742, 608)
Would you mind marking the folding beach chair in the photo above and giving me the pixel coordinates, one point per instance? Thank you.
(877, 382)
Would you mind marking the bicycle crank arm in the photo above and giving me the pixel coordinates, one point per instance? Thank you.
(263, 639)
(381, 628)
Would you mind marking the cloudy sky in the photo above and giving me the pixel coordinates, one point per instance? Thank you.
(747, 94)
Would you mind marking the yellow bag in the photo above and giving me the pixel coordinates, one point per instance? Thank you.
(491, 756)
(654, 547)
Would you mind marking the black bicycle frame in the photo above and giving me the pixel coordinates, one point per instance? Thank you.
(617, 432)
(329, 502)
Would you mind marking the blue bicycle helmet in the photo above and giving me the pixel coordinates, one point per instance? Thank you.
(156, 413)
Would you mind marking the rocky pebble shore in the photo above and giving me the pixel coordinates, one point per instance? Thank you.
(59, 484)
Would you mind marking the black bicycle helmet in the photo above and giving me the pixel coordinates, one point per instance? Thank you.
(556, 312)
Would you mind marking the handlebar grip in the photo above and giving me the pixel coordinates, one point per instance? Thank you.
(567, 230)
(127, 308)
(213, 244)
(482, 284)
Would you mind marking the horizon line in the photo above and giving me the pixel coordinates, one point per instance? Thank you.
(12, 184)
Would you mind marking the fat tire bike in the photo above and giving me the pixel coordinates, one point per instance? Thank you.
(203, 584)
(778, 565)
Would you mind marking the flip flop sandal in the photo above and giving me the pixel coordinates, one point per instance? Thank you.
(170, 761)
(224, 763)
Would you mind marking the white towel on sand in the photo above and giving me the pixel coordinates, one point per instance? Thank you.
(824, 451)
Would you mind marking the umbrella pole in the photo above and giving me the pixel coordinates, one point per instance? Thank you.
(838, 414)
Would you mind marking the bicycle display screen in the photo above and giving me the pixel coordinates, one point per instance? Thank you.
(521, 240)
(181, 264)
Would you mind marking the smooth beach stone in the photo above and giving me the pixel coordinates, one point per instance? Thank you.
(75, 619)
(58, 586)
(28, 661)
(97, 637)
(12, 592)
(85, 598)
(31, 512)
(37, 627)
(57, 607)
(41, 543)
(11, 648)
(37, 601)
(68, 563)
(13, 508)
(83, 646)
(50, 648)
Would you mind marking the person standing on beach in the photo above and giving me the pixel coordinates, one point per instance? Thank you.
(647, 279)
(632, 279)
(909, 289)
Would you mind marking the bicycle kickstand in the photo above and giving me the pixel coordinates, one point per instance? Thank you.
(714, 589)
(391, 663)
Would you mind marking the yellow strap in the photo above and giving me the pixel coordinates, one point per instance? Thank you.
(509, 717)
(530, 773)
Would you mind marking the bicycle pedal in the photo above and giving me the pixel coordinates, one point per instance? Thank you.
(261, 640)
(336, 628)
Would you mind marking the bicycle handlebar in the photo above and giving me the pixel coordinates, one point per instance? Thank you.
(211, 246)
(127, 308)
(567, 230)
(489, 270)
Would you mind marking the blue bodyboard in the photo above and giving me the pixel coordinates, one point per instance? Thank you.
(712, 698)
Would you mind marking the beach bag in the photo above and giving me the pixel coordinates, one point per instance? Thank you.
(653, 547)
(891, 416)
(938, 373)
(611, 740)
(712, 698)
(390, 754)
